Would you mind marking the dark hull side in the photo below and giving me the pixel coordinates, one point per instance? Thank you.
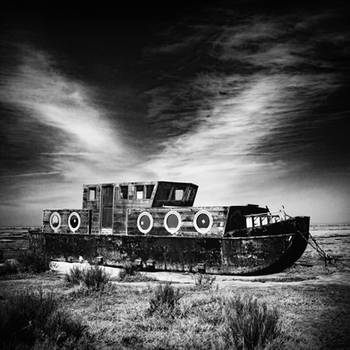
(272, 248)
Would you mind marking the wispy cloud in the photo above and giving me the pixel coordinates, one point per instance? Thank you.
(249, 106)
(52, 99)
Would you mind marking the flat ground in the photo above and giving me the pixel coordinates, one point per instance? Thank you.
(313, 302)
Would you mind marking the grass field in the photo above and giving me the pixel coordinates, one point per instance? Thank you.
(312, 315)
(312, 302)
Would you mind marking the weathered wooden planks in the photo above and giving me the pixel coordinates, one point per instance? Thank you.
(187, 228)
(85, 216)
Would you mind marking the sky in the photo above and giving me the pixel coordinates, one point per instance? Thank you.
(249, 101)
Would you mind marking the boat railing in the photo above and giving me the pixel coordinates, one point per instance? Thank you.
(262, 219)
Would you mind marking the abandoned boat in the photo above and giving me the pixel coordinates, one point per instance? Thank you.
(155, 226)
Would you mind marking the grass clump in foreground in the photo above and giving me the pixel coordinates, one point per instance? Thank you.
(164, 300)
(74, 275)
(248, 324)
(34, 320)
(207, 321)
(93, 278)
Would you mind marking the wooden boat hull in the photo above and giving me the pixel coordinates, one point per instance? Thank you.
(265, 249)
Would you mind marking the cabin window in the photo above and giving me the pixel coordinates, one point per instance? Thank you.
(131, 194)
(256, 221)
(249, 221)
(139, 192)
(124, 192)
(149, 190)
(179, 194)
(176, 194)
(92, 194)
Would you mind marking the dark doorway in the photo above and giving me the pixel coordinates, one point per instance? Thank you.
(107, 206)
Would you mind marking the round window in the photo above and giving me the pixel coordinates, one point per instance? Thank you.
(74, 221)
(55, 221)
(145, 222)
(203, 221)
(172, 221)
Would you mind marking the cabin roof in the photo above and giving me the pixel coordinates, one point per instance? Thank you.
(137, 183)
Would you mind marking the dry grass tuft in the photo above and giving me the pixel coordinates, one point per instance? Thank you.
(249, 324)
(203, 281)
(32, 319)
(93, 278)
(164, 300)
(74, 276)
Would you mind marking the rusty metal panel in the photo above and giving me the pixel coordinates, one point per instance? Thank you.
(280, 247)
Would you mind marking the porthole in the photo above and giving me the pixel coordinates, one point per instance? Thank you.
(145, 222)
(74, 221)
(203, 221)
(172, 221)
(55, 221)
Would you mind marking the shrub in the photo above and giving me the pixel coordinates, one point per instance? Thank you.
(62, 324)
(74, 275)
(249, 324)
(95, 277)
(164, 300)
(30, 317)
(203, 281)
(33, 262)
(128, 270)
(11, 266)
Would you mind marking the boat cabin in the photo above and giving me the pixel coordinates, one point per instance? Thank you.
(109, 203)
